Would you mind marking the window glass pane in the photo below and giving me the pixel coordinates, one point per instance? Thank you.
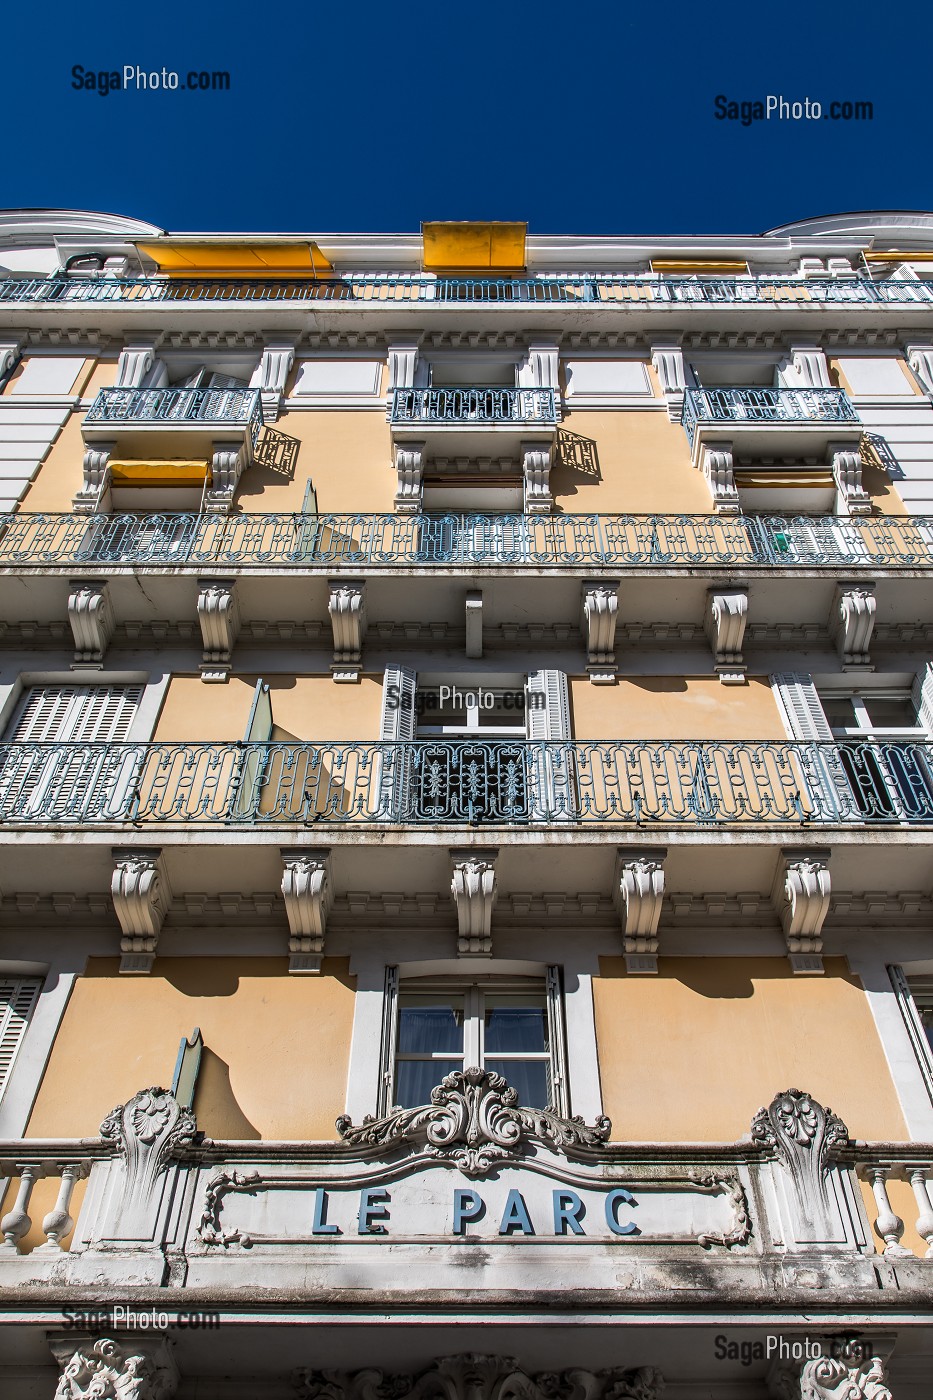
(430, 1025)
(839, 711)
(890, 714)
(515, 1024)
(414, 1080)
(926, 1016)
(531, 1078)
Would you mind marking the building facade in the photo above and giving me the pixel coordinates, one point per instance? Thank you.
(467, 796)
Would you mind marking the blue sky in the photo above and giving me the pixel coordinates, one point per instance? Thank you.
(579, 118)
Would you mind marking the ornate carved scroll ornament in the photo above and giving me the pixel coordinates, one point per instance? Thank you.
(476, 1377)
(475, 1121)
(741, 1230)
(221, 1183)
(805, 1136)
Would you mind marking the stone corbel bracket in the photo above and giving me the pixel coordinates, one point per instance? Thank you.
(717, 466)
(537, 458)
(94, 495)
(920, 359)
(90, 616)
(846, 462)
(308, 891)
(131, 1367)
(141, 898)
(229, 460)
(409, 467)
(271, 377)
(406, 369)
(9, 354)
(638, 892)
(347, 608)
(851, 623)
(474, 892)
(599, 613)
(801, 894)
(725, 621)
(219, 617)
(134, 365)
(809, 367)
(668, 362)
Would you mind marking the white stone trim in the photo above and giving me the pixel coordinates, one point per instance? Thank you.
(906, 1074)
(29, 1066)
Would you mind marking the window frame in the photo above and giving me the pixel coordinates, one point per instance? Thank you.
(474, 989)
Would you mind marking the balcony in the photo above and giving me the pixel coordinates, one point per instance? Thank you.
(590, 289)
(699, 785)
(474, 406)
(452, 540)
(234, 414)
(760, 422)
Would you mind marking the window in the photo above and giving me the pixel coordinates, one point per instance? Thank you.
(474, 761)
(888, 774)
(18, 997)
(511, 1028)
(62, 756)
(878, 768)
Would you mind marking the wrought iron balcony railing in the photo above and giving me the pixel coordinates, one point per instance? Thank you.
(504, 782)
(738, 406)
(473, 405)
(449, 540)
(178, 407)
(572, 288)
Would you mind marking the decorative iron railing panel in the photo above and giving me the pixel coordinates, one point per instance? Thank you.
(184, 407)
(473, 405)
(451, 540)
(572, 288)
(696, 784)
(738, 405)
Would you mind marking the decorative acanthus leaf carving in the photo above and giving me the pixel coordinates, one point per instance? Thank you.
(472, 1376)
(474, 1120)
(150, 1129)
(805, 1136)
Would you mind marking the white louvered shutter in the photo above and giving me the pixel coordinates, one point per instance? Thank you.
(830, 793)
(557, 1038)
(18, 997)
(74, 781)
(397, 725)
(549, 770)
(800, 706)
(922, 695)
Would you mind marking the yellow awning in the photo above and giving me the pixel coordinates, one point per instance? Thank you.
(180, 258)
(686, 267)
(795, 481)
(159, 473)
(474, 247)
(896, 256)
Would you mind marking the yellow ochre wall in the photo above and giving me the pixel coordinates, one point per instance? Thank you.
(347, 453)
(276, 1047)
(674, 707)
(303, 707)
(642, 463)
(692, 1054)
(274, 1064)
